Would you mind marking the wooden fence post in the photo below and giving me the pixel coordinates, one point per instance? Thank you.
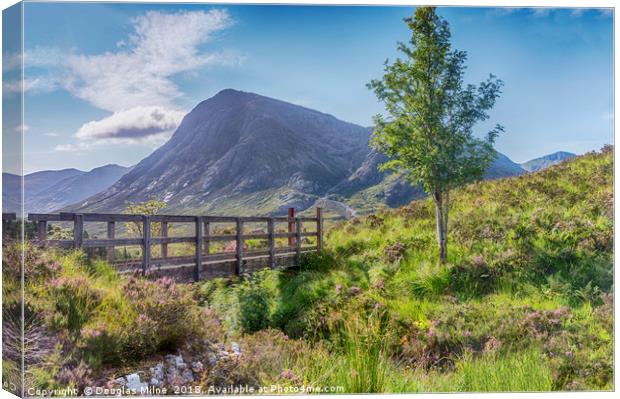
(78, 230)
(42, 231)
(239, 246)
(319, 229)
(146, 245)
(298, 241)
(207, 239)
(111, 234)
(164, 245)
(272, 244)
(291, 226)
(198, 248)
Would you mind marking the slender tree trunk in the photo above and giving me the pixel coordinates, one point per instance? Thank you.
(441, 211)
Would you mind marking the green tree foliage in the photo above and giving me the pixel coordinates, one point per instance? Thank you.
(150, 207)
(428, 132)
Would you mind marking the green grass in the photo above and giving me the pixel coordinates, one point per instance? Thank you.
(530, 263)
(524, 303)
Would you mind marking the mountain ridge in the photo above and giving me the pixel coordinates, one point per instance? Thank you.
(239, 153)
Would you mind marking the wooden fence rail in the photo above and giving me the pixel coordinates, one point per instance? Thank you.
(202, 239)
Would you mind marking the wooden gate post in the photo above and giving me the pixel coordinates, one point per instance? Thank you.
(42, 231)
(111, 234)
(291, 226)
(298, 241)
(319, 229)
(239, 246)
(164, 245)
(146, 244)
(198, 248)
(78, 230)
(272, 244)
(207, 238)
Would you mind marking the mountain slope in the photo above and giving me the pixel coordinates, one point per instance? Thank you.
(237, 144)
(544, 162)
(368, 188)
(50, 190)
(242, 153)
(75, 188)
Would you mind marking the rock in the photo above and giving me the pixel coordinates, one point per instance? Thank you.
(177, 361)
(120, 381)
(157, 374)
(212, 359)
(158, 371)
(134, 383)
(197, 367)
(187, 375)
(235, 348)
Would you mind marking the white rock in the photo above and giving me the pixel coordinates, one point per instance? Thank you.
(187, 375)
(120, 381)
(157, 372)
(235, 348)
(134, 383)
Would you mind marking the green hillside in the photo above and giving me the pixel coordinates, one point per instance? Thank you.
(524, 303)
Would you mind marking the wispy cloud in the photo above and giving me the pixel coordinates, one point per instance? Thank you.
(51, 134)
(140, 72)
(136, 81)
(22, 128)
(541, 12)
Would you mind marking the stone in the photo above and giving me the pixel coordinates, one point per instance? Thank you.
(120, 381)
(197, 367)
(157, 372)
(235, 348)
(187, 375)
(134, 383)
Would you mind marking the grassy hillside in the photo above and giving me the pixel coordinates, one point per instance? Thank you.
(525, 302)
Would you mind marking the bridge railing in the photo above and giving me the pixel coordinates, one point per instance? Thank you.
(202, 239)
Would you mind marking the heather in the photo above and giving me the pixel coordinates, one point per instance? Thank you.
(523, 303)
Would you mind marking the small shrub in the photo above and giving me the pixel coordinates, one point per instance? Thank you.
(253, 306)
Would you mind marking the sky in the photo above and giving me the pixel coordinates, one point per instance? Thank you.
(109, 82)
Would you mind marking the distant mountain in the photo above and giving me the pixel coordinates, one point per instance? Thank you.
(242, 153)
(367, 186)
(541, 163)
(47, 191)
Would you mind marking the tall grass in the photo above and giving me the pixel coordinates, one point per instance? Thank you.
(365, 366)
(518, 372)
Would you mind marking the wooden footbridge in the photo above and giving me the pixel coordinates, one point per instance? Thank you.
(299, 235)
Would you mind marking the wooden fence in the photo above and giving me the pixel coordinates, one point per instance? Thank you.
(203, 258)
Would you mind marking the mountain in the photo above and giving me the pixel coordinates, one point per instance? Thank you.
(50, 190)
(544, 162)
(367, 188)
(242, 153)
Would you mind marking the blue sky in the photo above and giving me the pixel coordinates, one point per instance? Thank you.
(107, 83)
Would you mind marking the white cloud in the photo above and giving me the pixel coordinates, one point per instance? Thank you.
(577, 12)
(20, 128)
(138, 124)
(541, 11)
(135, 80)
(51, 134)
(139, 73)
(39, 84)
